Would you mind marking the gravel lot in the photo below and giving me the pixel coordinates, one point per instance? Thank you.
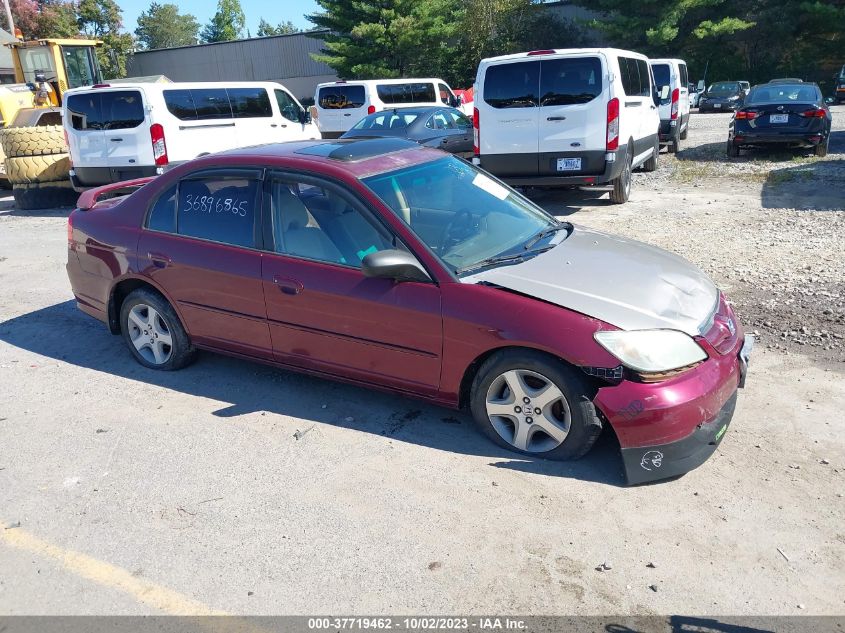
(235, 487)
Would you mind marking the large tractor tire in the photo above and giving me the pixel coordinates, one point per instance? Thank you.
(28, 170)
(44, 195)
(32, 141)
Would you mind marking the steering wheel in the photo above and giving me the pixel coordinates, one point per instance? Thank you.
(462, 226)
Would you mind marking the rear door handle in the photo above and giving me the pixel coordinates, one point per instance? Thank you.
(159, 260)
(556, 118)
(116, 140)
(288, 286)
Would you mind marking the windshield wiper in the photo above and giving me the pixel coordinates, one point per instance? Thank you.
(549, 230)
(502, 259)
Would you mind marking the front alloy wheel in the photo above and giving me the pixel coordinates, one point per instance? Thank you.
(528, 411)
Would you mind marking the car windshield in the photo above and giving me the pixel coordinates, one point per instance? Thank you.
(461, 213)
(723, 89)
(386, 121)
(782, 93)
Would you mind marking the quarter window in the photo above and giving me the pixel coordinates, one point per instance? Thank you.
(320, 224)
(512, 85)
(218, 208)
(162, 216)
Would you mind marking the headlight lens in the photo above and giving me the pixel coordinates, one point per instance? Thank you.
(651, 350)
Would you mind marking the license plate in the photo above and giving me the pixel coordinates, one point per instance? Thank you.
(717, 105)
(778, 118)
(569, 164)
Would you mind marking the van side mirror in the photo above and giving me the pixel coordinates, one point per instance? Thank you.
(304, 117)
(394, 264)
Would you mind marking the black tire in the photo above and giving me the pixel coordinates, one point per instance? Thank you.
(622, 183)
(651, 163)
(674, 145)
(821, 148)
(181, 351)
(732, 149)
(43, 196)
(585, 425)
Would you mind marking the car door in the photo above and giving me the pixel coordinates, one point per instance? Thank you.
(572, 116)
(200, 247)
(203, 124)
(649, 118)
(84, 125)
(684, 101)
(292, 121)
(323, 314)
(460, 136)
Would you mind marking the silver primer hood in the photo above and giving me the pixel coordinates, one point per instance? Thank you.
(629, 284)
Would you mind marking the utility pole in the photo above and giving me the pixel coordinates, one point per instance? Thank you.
(9, 17)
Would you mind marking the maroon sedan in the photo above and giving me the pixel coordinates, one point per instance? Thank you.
(386, 264)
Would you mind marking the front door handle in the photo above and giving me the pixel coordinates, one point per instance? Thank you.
(288, 286)
(116, 140)
(274, 125)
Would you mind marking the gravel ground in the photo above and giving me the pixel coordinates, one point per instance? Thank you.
(234, 487)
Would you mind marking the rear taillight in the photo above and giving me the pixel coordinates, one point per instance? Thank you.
(813, 114)
(371, 109)
(476, 133)
(745, 115)
(159, 145)
(613, 124)
(547, 51)
(676, 98)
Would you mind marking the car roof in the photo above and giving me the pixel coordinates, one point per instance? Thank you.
(666, 60)
(173, 85)
(371, 82)
(359, 157)
(561, 51)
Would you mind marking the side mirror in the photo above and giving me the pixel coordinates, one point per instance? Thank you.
(394, 264)
(304, 117)
(664, 93)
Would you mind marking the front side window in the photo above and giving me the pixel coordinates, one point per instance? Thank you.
(461, 120)
(568, 81)
(341, 97)
(121, 110)
(316, 223)
(662, 75)
(440, 121)
(249, 103)
(406, 93)
(461, 213)
(289, 108)
(512, 85)
(218, 208)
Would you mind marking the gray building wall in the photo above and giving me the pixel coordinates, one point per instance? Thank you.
(282, 58)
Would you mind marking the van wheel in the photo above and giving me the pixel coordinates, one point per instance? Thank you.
(674, 145)
(153, 332)
(651, 163)
(622, 184)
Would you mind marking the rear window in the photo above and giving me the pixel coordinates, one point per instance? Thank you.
(341, 97)
(385, 121)
(783, 93)
(106, 110)
(661, 74)
(406, 93)
(248, 103)
(512, 85)
(567, 81)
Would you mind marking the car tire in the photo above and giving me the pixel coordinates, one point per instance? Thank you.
(652, 163)
(821, 149)
(622, 183)
(732, 150)
(674, 145)
(564, 398)
(44, 195)
(33, 141)
(164, 344)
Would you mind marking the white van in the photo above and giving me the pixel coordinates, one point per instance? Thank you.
(124, 131)
(339, 105)
(672, 80)
(566, 117)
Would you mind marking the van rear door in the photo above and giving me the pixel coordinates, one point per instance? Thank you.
(572, 116)
(127, 139)
(508, 117)
(340, 106)
(664, 76)
(84, 125)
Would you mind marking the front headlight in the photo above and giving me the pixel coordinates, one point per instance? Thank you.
(651, 350)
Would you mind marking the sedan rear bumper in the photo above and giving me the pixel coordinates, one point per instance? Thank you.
(810, 139)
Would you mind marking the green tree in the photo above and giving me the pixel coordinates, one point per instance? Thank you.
(227, 23)
(389, 38)
(102, 19)
(282, 28)
(44, 18)
(162, 26)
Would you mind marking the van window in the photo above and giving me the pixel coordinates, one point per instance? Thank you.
(570, 80)
(106, 110)
(220, 209)
(341, 97)
(645, 78)
(661, 74)
(248, 103)
(445, 94)
(512, 85)
(180, 104)
(162, 216)
(406, 93)
(289, 108)
(682, 68)
(212, 103)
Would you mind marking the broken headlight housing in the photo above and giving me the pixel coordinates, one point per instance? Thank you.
(652, 351)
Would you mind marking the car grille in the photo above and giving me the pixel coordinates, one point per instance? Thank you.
(723, 331)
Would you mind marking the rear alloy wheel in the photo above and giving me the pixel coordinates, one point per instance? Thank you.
(153, 332)
(532, 404)
(622, 183)
(821, 148)
(732, 149)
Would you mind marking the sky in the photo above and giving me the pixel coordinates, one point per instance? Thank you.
(273, 12)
